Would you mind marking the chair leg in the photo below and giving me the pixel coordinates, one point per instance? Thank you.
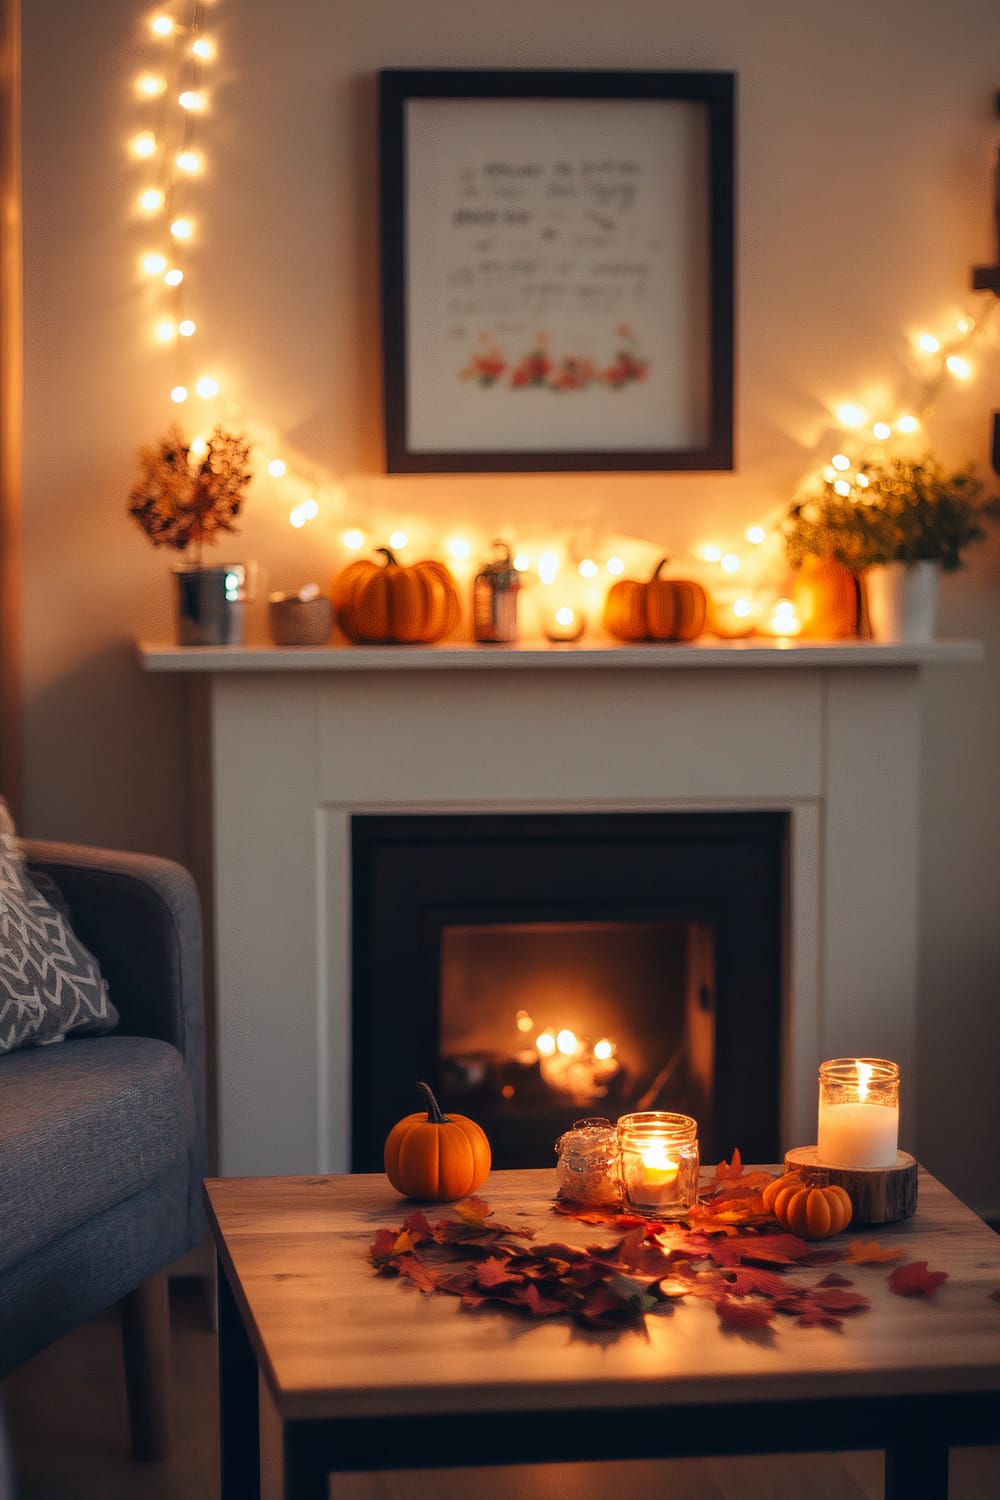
(145, 1325)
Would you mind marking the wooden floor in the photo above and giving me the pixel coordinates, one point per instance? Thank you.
(66, 1411)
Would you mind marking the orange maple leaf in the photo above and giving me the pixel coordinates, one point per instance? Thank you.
(474, 1211)
(860, 1253)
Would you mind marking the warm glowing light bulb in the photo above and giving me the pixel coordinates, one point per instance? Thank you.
(188, 161)
(755, 535)
(276, 468)
(458, 548)
(862, 481)
(545, 1043)
(166, 330)
(297, 516)
(564, 615)
(604, 1050)
(840, 461)
(179, 394)
(566, 1041)
(522, 562)
(785, 619)
(143, 144)
(729, 562)
(162, 25)
(588, 568)
(182, 229)
(928, 343)
(207, 386)
(548, 566)
(192, 99)
(523, 1021)
(964, 325)
(615, 565)
(309, 509)
(204, 49)
(151, 200)
(850, 415)
(186, 327)
(959, 367)
(353, 538)
(398, 539)
(829, 473)
(741, 608)
(907, 423)
(154, 265)
(712, 553)
(842, 487)
(198, 447)
(174, 277)
(150, 85)
(882, 430)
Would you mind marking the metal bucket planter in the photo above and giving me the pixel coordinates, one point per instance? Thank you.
(211, 603)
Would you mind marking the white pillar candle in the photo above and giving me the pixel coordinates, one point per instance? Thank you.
(858, 1135)
(858, 1114)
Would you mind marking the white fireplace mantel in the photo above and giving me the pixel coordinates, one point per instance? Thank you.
(304, 738)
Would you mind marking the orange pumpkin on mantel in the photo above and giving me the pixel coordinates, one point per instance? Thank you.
(436, 1156)
(827, 599)
(659, 609)
(389, 602)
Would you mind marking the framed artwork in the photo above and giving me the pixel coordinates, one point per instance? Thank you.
(557, 270)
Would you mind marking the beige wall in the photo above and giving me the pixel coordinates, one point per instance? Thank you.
(865, 144)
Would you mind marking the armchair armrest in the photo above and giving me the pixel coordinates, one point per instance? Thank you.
(140, 916)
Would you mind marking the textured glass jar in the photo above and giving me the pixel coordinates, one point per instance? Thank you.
(658, 1163)
(858, 1113)
(587, 1165)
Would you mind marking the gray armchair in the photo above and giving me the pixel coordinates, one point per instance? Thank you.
(102, 1139)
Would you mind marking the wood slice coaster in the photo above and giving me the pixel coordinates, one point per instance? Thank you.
(879, 1195)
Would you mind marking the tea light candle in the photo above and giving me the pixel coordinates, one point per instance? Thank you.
(563, 624)
(858, 1113)
(659, 1162)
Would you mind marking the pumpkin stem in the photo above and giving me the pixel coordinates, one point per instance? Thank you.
(661, 564)
(390, 557)
(434, 1115)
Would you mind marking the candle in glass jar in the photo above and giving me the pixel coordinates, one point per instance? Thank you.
(658, 1162)
(858, 1113)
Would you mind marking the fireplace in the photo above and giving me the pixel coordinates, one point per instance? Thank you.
(303, 743)
(536, 969)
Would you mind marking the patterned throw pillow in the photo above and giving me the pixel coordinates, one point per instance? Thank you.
(50, 984)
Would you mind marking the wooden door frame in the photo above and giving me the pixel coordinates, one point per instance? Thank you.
(11, 402)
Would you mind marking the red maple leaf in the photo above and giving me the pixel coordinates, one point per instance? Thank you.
(915, 1280)
(494, 1272)
(835, 1279)
(415, 1271)
(539, 1306)
(751, 1279)
(744, 1314)
(832, 1299)
(815, 1316)
(774, 1249)
(417, 1226)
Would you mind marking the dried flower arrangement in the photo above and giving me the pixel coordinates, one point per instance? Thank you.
(182, 500)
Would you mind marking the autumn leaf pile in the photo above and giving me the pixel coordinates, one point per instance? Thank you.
(182, 499)
(729, 1252)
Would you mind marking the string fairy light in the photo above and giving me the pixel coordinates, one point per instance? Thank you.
(170, 153)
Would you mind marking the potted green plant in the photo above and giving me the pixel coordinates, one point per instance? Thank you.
(183, 499)
(899, 522)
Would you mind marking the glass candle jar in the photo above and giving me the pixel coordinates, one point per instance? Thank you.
(658, 1163)
(587, 1165)
(858, 1112)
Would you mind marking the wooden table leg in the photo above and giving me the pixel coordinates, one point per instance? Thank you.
(917, 1471)
(306, 1474)
(239, 1402)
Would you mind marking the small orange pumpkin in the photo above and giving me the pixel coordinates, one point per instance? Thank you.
(660, 609)
(811, 1212)
(436, 1156)
(827, 599)
(390, 602)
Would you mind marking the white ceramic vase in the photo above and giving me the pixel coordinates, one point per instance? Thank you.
(902, 601)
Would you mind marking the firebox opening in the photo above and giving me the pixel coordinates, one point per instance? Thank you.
(655, 939)
(544, 1023)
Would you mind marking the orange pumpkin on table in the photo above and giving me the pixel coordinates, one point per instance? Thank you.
(436, 1156)
(390, 602)
(813, 1213)
(659, 609)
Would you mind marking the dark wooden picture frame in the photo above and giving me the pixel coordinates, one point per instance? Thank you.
(693, 258)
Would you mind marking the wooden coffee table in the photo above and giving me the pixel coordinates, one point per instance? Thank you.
(366, 1373)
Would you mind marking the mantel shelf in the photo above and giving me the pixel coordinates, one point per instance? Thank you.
(541, 656)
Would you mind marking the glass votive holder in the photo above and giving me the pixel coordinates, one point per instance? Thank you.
(658, 1163)
(587, 1163)
(858, 1113)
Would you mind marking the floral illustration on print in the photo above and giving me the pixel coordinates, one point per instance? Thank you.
(540, 369)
